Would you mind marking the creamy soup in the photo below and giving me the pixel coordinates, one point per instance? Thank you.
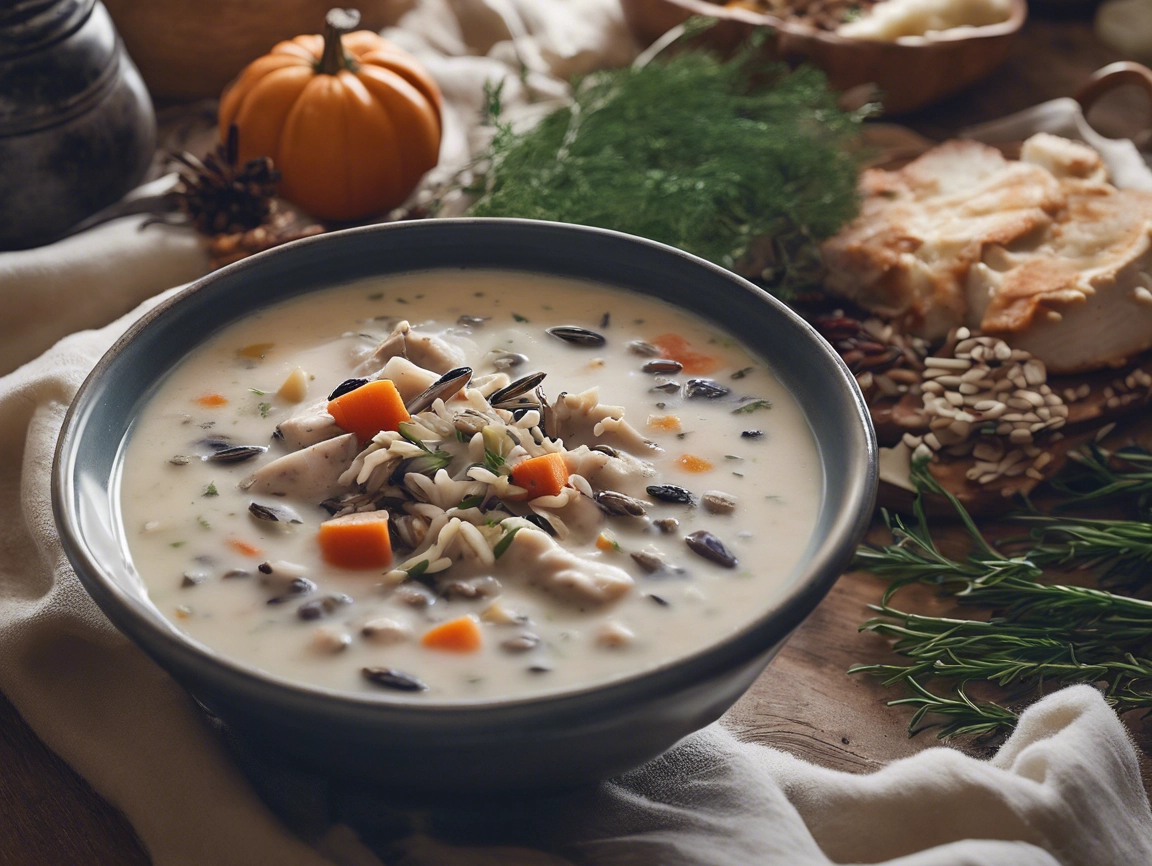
(456, 486)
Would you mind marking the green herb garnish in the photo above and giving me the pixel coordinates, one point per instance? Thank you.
(177, 544)
(692, 151)
(419, 568)
(504, 543)
(428, 463)
(474, 501)
(752, 406)
(203, 523)
(257, 391)
(211, 490)
(265, 408)
(519, 318)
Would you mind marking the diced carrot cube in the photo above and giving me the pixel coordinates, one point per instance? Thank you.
(460, 635)
(357, 540)
(369, 409)
(545, 475)
(691, 463)
(678, 349)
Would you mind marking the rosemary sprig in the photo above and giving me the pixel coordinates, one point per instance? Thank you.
(1036, 631)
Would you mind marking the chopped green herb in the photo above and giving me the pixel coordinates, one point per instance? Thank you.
(203, 523)
(493, 462)
(211, 490)
(177, 544)
(519, 318)
(752, 406)
(474, 501)
(419, 568)
(265, 408)
(257, 391)
(720, 162)
(504, 543)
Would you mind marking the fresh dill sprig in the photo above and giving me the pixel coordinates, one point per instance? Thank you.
(1036, 631)
(706, 155)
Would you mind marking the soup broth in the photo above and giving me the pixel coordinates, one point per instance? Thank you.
(371, 488)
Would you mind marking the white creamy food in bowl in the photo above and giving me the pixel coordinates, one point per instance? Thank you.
(464, 505)
(686, 491)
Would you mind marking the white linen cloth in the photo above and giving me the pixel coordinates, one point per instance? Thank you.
(1065, 789)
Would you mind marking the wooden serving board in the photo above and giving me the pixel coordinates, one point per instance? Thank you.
(804, 703)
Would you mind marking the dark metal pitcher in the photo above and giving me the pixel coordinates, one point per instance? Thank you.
(77, 129)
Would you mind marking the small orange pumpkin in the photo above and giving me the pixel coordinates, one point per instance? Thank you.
(351, 121)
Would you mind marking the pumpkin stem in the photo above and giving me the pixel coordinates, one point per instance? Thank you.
(336, 23)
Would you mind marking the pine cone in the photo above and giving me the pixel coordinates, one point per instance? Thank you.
(217, 197)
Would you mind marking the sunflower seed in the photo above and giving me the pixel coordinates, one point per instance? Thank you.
(517, 389)
(193, 578)
(508, 360)
(521, 643)
(707, 545)
(391, 678)
(577, 336)
(662, 365)
(643, 349)
(323, 606)
(618, 504)
(752, 434)
(346, 386)
(236, 453)
(296, 587)
(274, 513)
(650, 562)
(671, 493)
(442, 389)
(706, 389)
(718, 502)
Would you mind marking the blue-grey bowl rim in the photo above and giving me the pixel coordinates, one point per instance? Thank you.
(779, 619)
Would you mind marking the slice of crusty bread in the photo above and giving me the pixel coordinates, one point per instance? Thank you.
(1042, 252)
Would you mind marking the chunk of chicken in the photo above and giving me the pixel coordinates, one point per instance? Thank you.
(311, 425)
(541, 562)
(311, 474)
(582, 419)
(409, 379)
(425, 350)
(622, 473)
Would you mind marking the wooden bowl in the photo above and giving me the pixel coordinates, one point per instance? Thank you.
(910, 73)
(190, 49)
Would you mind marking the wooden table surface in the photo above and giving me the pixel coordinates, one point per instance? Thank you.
(804, 703)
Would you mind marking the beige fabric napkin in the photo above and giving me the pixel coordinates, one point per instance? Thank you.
(1066, 789)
